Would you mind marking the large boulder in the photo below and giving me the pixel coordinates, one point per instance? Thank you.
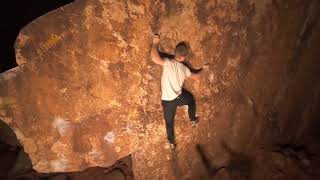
(80, 95)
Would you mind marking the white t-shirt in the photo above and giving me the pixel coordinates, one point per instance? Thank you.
(173, 75)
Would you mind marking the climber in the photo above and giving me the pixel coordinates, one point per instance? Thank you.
(172, 94)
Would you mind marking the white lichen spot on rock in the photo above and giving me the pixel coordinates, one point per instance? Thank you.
(114, 103)
(118, 149)
(168, 157)
(216, 89)
(109, 137)
(167, 146)
(94, 154)
(121, 42)
(150, 163)
(59, 165)
(212, 78)
(19, 134)
(61, 125)
(62, 91)
(153, 153)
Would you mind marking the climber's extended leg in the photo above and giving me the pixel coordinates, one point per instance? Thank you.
(169, 109)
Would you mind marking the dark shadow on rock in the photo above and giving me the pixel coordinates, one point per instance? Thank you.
(7, 135)
(120, 170)
(13, 159)
(123, 165)
(306, 31)
(301, 156)
(209, 165)
(15, 14)
(174, 162)
(240, 165)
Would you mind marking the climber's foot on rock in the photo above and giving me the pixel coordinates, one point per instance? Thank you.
(195, 122)
(170, 145)
(173, 145)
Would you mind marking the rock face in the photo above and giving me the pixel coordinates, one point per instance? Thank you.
(86, 93)
(79, 99)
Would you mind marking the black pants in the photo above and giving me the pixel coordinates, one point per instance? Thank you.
(170, 107)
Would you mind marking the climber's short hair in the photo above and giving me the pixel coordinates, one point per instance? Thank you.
(182, 49)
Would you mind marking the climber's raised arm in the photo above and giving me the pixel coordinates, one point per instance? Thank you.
(155, 57)
(196, 73)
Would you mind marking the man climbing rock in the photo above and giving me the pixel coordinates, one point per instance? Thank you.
(172, 94)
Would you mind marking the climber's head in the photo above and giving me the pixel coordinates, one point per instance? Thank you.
(181, 51)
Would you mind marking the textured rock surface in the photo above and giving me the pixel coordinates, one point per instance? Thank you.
(79, 99)
(87, 94)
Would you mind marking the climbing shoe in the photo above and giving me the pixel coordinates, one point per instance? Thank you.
(173, 145)
(195, 122)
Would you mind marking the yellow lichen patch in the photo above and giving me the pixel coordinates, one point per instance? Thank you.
(51, 42)
(88, 14)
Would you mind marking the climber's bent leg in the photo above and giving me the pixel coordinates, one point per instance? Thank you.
(169, 110)
(186, 98)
